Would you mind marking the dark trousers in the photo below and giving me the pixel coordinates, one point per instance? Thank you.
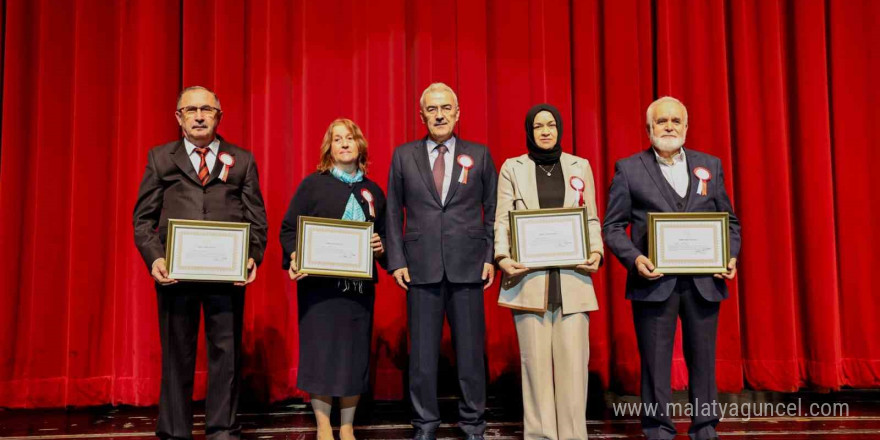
(655, 324)
(463, 306)
(180, 306)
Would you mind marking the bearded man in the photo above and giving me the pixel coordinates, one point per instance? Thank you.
(664, 178)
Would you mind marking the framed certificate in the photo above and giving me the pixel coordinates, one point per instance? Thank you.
(547, 238)
(207, 251)
(689, 242)
(334, 248)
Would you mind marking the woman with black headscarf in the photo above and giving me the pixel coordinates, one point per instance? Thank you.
(550, 306)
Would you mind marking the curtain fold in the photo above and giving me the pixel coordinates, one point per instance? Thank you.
(780, 90)
(853, 30)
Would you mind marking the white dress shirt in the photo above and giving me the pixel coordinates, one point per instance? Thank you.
(676, 172)
(449, 157)
(194, 157)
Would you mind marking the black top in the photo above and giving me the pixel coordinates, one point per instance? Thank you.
(551, 189)
(551, 194)
(322, 195)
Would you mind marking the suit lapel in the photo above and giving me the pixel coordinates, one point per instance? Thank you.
(460, 148)
(181, 159)
(694, 159)
(424, 165)
(660, 182)
(526, 182)
(218, 166)
(568, 169)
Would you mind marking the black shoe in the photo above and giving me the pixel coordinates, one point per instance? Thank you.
(474, 437)
(422, 435)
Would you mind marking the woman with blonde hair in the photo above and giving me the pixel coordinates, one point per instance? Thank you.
(335, 314)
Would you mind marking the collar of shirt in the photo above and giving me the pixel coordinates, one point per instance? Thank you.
(678, 158)
(213, 146)
(450, 145)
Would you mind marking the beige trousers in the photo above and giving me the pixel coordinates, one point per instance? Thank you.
(555, 353)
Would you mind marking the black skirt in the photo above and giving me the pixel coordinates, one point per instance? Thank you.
(335, 330)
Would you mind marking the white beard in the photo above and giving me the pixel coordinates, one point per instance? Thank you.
(667, 145)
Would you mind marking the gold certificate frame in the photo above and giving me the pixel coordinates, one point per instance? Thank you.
(334, 248)
(688, 243)
(197, 250)
(549, 238)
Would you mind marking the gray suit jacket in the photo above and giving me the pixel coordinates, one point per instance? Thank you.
(454, 238)
(171, 189)
(638, 188)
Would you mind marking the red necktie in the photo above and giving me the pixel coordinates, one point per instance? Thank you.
(439, 168)
(204, 174)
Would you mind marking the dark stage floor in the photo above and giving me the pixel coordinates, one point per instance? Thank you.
(390, 420)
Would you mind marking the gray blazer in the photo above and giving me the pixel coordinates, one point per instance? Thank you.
(638, 188)
(454, 238)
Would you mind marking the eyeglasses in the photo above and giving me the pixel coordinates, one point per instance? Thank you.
(191, 110)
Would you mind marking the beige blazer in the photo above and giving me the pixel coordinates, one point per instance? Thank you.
(517, 190)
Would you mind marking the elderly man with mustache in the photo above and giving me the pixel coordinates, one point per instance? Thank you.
(666, 178)
(198, 177)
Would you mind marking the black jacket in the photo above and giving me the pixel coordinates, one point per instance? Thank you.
(171, 189)
(322, 195)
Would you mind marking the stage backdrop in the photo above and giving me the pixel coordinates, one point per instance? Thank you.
(781, 91)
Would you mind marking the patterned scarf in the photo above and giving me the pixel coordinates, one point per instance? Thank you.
(353, 210)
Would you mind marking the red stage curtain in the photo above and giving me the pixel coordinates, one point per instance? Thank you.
(779, 89)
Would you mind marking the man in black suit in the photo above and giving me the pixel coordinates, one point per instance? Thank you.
(185, 179)
(664, 178)
(447, 188)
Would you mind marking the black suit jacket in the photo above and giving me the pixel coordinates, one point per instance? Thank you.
(171, 189)
(638, 188)
(454, 238)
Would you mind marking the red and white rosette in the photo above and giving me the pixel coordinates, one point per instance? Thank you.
(466, 163)
(228, 161)
(578, 184)
(705, 176)
(368, 196)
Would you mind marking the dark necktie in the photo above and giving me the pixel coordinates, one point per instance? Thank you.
(204, 174)
(440, 168)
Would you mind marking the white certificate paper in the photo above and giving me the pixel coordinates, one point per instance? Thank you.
(334, 248)
(551, 240)
(206, 250)
(690, 244)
